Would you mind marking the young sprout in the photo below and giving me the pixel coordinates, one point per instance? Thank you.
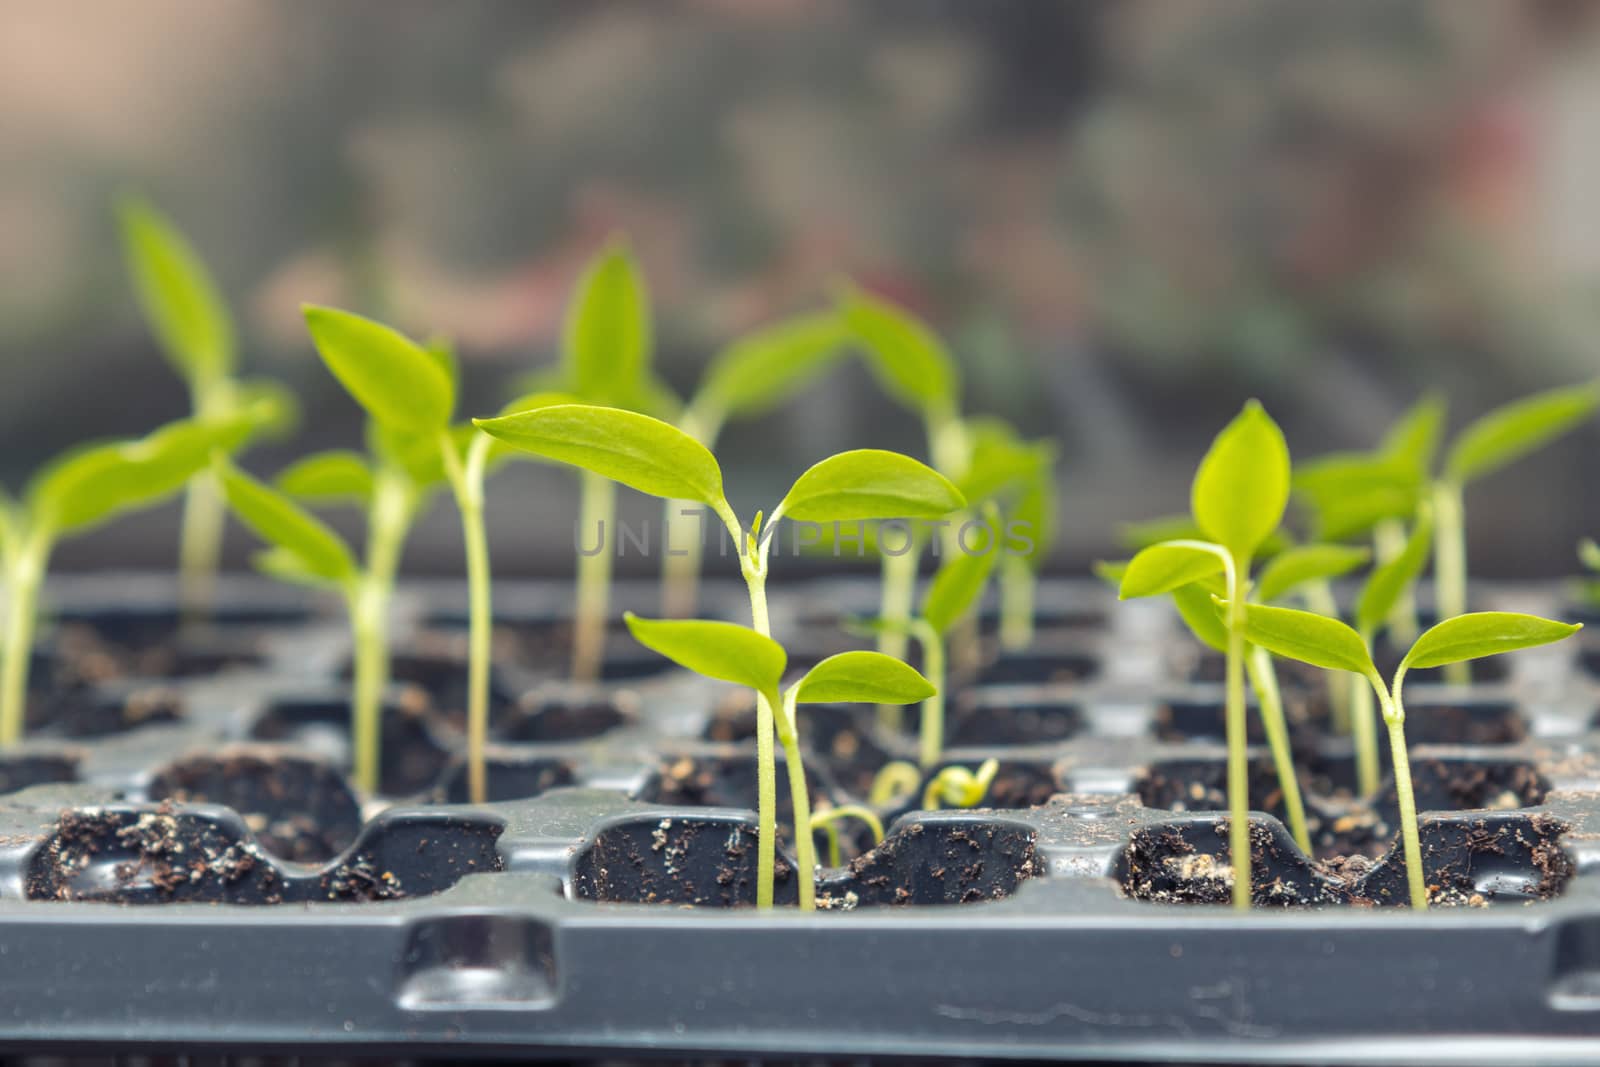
(729, 652)
(190, 321)
(1238, 499)
(915, 369)
(1287, 573)
(76, 492)
(1329, 643)
(657, 458)
(957, 787)
(951, 596)
(748, 379)
(1497, 439)
(409, 393)
(827, 822)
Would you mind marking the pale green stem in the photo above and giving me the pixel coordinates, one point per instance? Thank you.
(680, 573)
(1364, 735)
(1318, 597)
(1264, 679)
(752, 564)
(26, 567)
(387, 524)
(204, 519)
(805, 847)
(1018, 583)
(894, 608)
(1450, 565)
(930, 741)
(467, 481)
(1238, 759)
(1388, 541)
(597, 519)
(1394, 716)
(827, 822)
(950, 448)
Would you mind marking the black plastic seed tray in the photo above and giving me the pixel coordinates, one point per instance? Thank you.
(184, 865)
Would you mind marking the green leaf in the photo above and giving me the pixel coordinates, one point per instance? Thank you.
(331, 477)
(863, 678)
(1508, 433)
(761, 370)
(1413, 441)
(1307, 563)
(1242, 486)
(1589, 554)
(869, 483)
(636, 450)
(1482, 633)
(1000, 461)
(1035, 511)
(269, 404)
(1169, 565)
(396, 380)
(443, 351)
(725, 651)
(1146, 532)
(179, 298)
(418, 456)
(320, 553)
(1339, 518)
(908, 359)
(1387, 583)
(959, 582)
(285, 566)
(90, 485)
(1198, 610)
(1308, 637)
(606, 343)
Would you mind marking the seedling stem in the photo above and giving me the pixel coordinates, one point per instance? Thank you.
(24, 572)
(827, 821)
(393, 504)
(1235, 730)
(466, 480)
(1017, 582)
(898, 591)
(1450, 564)
(597, 518)
(1264, 680)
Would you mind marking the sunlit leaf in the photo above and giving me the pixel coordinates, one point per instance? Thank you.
(625, 446)
(277, 520)
(328, 477)
(863, 678)
(180, 299)
(762, 369)
(1483, 633)
(1388, 583)
(1307, 563)
(1508, 433)
(1307, 637)
(869, 483)
(725, 651)
(607, 339)
(1242, 486)
(397, 381)
(960, 581)
(1162, 568)
(908, 358)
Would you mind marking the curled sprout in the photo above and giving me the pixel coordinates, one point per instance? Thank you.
(957, 787)
(827, 821)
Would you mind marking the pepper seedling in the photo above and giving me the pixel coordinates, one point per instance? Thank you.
(185, 311)
(1287, 574)
(728, 652)
(1329, 643)
(661, 460)
(409, 393)
(827, 822)
(951, 597)
(747, 379)
(1494, 441)
(84, 488)
(1237, 500)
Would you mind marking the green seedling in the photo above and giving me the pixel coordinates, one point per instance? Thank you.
(1019, 476)
(729, 652)
(1287, 574)
(1238, 498)
(951, 597)
(606, 349)
(952, 787)
(409, 393)
(915, 369)
(190, 321)
(78, 491)
(748, 379)
(1492, 442)
(827, 822)
(661, 460)
(1352, 493)
(1329, 643)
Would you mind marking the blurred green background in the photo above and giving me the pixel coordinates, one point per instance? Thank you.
(1124, 218)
